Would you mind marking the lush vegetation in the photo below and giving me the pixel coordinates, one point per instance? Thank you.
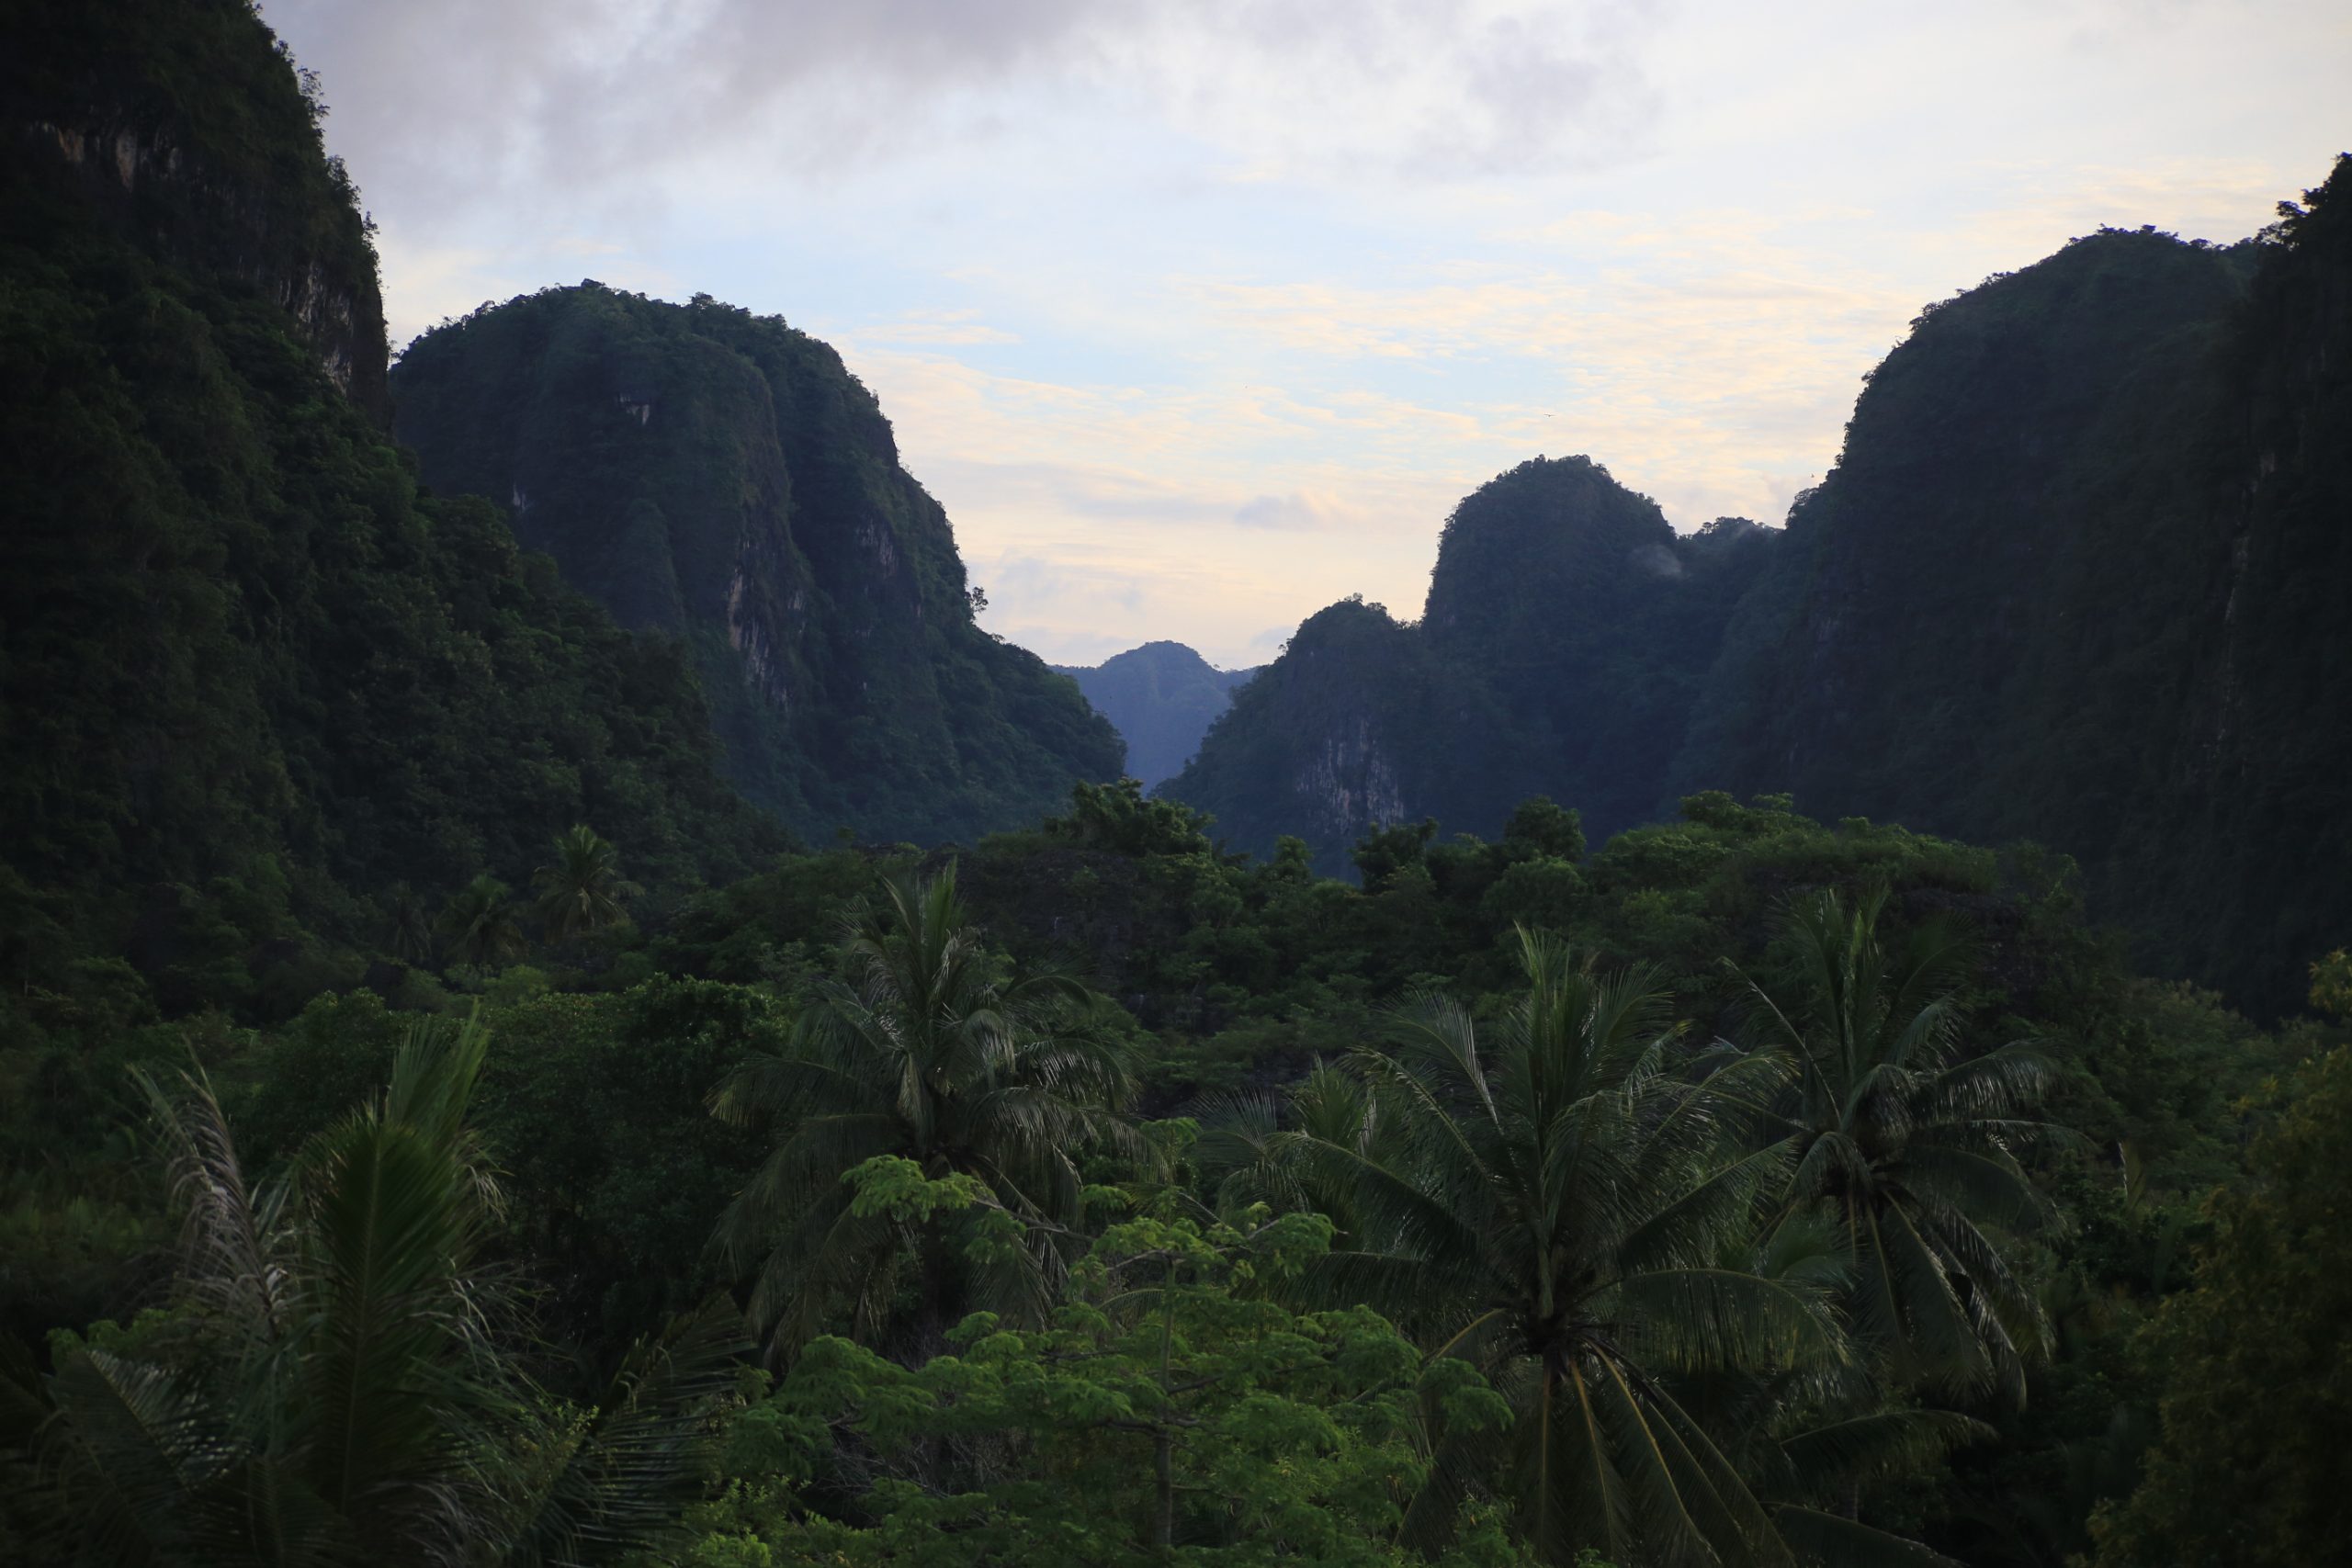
(1743, 1191)
(440, 1123)
(722, 479)
(2064, 582)
(1161, 697)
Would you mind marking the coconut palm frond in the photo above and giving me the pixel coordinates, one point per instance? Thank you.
(1908, 1144)
(627, 1473)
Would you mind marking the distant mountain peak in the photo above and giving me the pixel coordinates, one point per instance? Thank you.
(1162, 696)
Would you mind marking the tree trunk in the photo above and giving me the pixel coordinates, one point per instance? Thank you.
(1163, 1529)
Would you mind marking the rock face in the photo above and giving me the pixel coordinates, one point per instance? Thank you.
(1567, 632)
(1318, 744)
(1161, 697)
(724, 480)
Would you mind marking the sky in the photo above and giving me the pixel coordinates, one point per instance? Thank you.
(1198, 315)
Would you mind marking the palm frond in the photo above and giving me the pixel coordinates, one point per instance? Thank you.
(1700, 1319)
(1830, 1540)
(1881, 1444)
(629, 1473)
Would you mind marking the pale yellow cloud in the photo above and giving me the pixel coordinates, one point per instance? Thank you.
(941, 328)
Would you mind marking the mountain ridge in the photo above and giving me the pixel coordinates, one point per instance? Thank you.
(2075, 511)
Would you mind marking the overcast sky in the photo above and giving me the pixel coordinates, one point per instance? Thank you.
(1200, 314)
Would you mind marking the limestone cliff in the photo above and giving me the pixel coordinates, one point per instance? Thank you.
(1566, 632)
(723, 479)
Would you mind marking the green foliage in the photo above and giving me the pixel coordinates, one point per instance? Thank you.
(1171, 1410)
(1386, 853)
(926, 1054)
(2332, 984)
(332, 1379)
(2253, 1360)
(583, 888)
(1906, 1147)
(1555, 1200)
(596, 1108)
(1117, 817)
(1240, 977)
(477, 925)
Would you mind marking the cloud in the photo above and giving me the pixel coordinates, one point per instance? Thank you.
(528, 99)
(1198, 317)
(935, 329)
(1300, 510)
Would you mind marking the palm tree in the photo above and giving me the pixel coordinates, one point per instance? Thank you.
(1908, 1146)
(334, 1383)
(1556, 1203)
(1807, 1444)
(478, 923)
(584, 889)
(410, 938)
(925, 1053)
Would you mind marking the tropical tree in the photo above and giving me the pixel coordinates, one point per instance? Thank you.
(332, 1381)
(1555, 1203)
(1814, 1446)
(2252, 1361)
(925, 1053)
(1172, 1410)
(1907, 1145)
(411, 937)
(478, 924)
(583, 889)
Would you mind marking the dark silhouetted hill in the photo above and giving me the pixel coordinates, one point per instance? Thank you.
(1161, 697)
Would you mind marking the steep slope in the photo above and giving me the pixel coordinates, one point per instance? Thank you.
(1567, 631)
(2078, 576)
(724, 480)
(250, 679)
(1161, 697)
(2005, 547)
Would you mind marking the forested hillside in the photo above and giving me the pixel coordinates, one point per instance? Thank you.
(259, 693)
(1161, 698)
(2069, 580)
(723, 479)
